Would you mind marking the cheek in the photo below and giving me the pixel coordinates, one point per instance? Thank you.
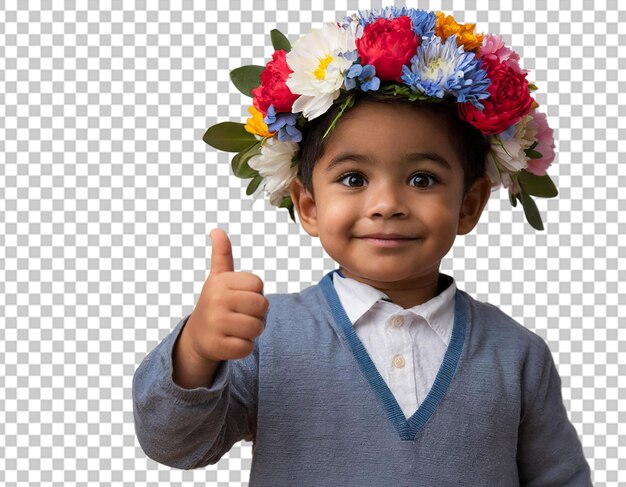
(444, 218)
(333, 219)
(335, 223)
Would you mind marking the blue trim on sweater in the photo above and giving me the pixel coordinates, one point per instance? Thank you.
(406, 428)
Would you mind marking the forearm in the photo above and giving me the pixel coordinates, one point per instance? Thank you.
(176, 426)
(191, 427)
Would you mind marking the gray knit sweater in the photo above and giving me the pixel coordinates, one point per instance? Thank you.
(320, 414)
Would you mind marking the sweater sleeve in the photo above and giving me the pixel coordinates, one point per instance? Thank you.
(549, 451)
(192, 428)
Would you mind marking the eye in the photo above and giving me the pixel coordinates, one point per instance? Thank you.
(421, 180)
(354, 179)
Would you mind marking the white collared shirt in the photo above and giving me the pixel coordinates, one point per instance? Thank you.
(406, 345)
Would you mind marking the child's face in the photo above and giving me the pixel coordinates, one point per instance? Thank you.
(380, 174)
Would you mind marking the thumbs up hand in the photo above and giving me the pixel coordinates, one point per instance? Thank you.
(230, 312)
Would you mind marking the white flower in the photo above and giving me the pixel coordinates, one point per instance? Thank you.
(274, 164)
(318, 69)
(507, 154)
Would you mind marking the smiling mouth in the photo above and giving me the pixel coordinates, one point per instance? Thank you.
(388, 241)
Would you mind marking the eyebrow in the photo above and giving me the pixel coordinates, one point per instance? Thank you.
(344, 157)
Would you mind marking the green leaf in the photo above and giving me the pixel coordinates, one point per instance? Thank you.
(239, 164)
(279, 41)
(246, 78)
(295, 159)
(395, 89)
(254, 184)
(541, 186)
(349, 101)
(229, 137)
(531, 211)
(533, 154)
(287, 203)
(301, 122)
(513, 199)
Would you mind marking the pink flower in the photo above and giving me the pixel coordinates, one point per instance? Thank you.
(493, 45)
(545, 145)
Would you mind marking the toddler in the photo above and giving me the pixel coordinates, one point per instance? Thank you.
(386, 135)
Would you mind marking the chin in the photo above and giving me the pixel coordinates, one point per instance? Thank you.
(379, 275)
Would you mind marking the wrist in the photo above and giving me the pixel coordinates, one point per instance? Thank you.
(191, 369)
(188, 342)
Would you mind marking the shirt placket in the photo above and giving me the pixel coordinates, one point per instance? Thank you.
(401, 370)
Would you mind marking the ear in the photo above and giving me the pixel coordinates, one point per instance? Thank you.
(305, 206)
(473, 204)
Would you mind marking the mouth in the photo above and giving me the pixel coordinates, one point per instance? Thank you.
(387, 239)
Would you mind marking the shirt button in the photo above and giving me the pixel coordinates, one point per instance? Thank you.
(398, 361)
(397, 321)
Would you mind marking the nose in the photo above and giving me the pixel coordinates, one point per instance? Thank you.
(386, 200)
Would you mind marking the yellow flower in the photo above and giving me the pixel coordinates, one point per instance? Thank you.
(447, 26)
(256, 125)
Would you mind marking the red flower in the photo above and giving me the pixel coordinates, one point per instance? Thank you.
(388, 44)
(273, 89)
(508, 102)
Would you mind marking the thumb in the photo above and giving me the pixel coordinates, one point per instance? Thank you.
(221, 252)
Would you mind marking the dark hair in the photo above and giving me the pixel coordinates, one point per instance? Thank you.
(471, 145)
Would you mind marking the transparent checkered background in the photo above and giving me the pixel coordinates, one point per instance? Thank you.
(108, 195)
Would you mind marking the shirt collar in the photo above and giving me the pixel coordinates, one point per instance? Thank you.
(358, 298)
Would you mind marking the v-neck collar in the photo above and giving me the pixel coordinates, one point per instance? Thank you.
(406, 428)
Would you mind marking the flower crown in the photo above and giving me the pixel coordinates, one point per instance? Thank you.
(395, 52)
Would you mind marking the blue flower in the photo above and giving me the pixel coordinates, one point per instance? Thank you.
(508, 133)
(423, 22)
(441, 69)
(368, 81)
(347, 21)
(349, 55)
(284, 123)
